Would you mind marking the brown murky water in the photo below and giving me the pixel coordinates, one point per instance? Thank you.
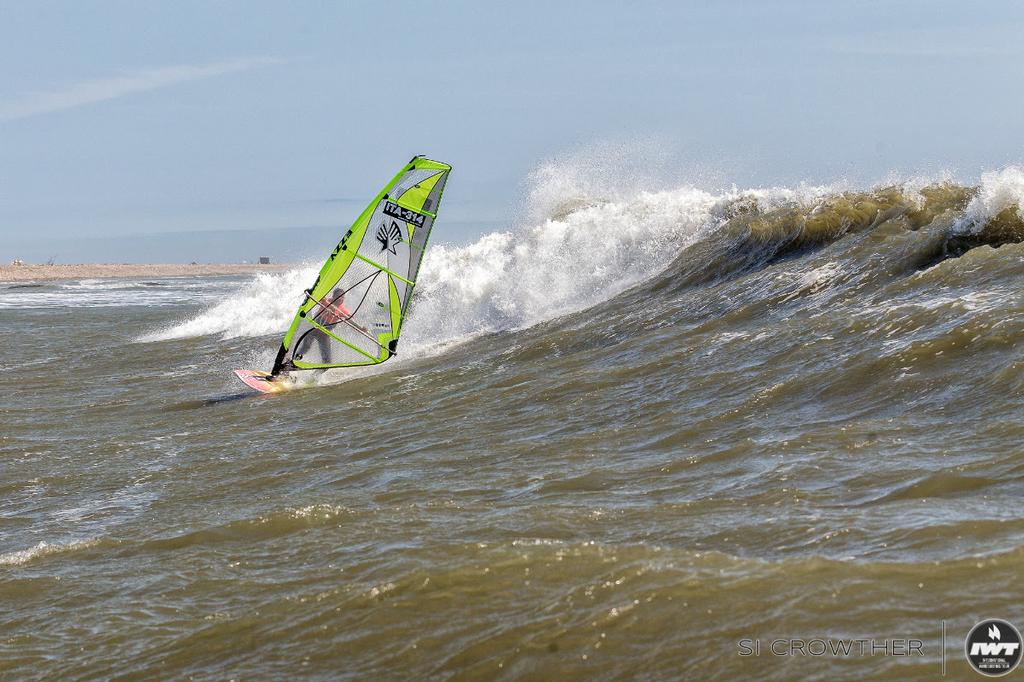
(805, 421)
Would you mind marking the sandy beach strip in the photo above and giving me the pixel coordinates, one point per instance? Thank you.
(39, 273)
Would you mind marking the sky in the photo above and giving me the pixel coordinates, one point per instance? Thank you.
(209, 131)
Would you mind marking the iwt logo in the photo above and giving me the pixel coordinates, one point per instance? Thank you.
(993, 647)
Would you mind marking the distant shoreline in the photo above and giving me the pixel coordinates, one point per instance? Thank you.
(38, 273)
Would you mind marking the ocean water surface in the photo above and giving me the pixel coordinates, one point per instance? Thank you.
(618, 440)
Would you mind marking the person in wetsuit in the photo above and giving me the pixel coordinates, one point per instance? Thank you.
(332, 313)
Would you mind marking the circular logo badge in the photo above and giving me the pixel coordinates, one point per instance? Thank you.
(993, 647)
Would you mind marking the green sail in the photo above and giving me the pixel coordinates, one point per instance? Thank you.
(353, 313)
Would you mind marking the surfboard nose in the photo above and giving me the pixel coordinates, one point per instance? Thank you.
(264, 382)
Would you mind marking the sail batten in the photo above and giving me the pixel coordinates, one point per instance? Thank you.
(382, 268)
(353, 313)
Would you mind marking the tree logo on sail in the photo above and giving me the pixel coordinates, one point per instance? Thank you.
(389, 237)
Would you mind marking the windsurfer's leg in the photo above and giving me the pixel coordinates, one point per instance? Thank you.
(304, 343)
(324, 343)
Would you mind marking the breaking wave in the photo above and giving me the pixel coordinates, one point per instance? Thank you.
(262, 306)
(588, 251)
(577, 248)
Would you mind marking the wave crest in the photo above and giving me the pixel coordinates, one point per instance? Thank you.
(579, 248)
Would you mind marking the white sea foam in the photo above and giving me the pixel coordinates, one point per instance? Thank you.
(999, 191)
(113, 293)
(554, 267)
(24, 556)
(264, 305)
(587, 233)
(546, 268)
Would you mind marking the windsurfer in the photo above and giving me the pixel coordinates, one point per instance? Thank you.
(328, 331)
(332, 312)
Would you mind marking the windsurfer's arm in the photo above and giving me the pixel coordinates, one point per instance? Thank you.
(343, 313)
(329, 308)
(346, 315)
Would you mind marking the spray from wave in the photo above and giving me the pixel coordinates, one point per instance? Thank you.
(999, 197)
(262, 306)
(588, 235)
(584, 239)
